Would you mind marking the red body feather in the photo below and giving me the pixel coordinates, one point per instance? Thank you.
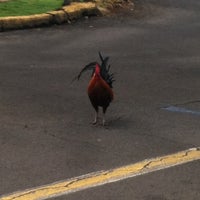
(99, 91)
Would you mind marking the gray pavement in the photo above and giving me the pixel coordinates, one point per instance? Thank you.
(46, 133)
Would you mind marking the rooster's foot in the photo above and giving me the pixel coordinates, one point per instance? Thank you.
(94, 122)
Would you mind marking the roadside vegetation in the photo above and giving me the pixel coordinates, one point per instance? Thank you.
(28, 7)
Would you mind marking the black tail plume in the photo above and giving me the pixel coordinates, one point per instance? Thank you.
(90, 66)
(104, 70)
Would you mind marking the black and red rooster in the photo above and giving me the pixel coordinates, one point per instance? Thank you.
(100, 86)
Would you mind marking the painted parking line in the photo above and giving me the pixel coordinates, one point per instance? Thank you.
(181, 110)
(104, 177)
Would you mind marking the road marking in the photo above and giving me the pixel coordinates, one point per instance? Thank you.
(103, 177)
(181, 110)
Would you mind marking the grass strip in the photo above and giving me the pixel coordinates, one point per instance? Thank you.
(28, 7)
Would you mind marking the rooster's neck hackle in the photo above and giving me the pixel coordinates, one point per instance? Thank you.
(97, 71)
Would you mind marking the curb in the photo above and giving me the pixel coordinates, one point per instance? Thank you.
(65, 14)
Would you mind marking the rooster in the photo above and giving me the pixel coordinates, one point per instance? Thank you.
(100, 86)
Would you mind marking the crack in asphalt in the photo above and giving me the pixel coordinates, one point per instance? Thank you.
(187, 102)
(113, 175)
(69, 20)
(146, 166)
(49, 187)
(149, 163)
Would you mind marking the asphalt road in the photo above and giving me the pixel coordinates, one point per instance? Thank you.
(46, 134)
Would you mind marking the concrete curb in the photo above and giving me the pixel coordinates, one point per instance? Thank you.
(65, 14)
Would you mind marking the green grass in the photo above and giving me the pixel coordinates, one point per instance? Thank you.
(28, 7)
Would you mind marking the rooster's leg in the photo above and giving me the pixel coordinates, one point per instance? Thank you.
(96, 115)
(103, 118)
(95, 118)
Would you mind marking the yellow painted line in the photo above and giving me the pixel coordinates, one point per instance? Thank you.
(103, 177)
